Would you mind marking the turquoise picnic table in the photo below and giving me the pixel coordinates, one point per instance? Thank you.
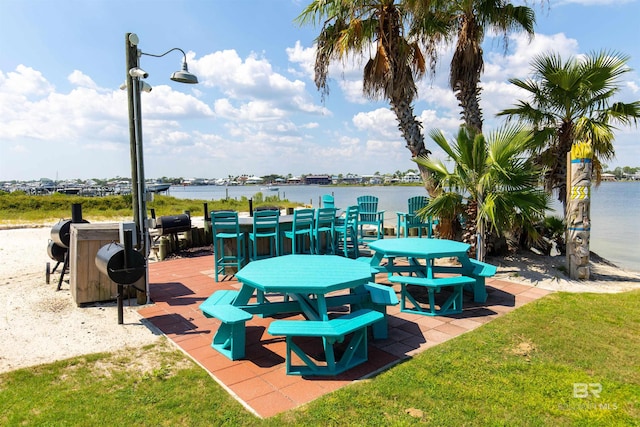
(307, 284)
(469, 274)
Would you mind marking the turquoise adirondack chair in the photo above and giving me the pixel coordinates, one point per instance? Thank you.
(369, 215)
(328, 201)
(410, 219)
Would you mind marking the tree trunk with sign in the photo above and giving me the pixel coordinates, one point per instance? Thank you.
(579, 211)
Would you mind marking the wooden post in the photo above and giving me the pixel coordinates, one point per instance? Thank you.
(579, 211)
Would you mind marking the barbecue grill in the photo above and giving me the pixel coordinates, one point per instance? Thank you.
(172, 224)
(56, 252)
(123, 265)
(58, 247)
(112, 260)
(61, 233)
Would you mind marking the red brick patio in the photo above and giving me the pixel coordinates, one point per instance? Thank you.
(259, 381)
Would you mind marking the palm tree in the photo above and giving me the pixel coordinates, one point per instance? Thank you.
(467, 21)
(572, 101)
(499, 185)
(374, 28)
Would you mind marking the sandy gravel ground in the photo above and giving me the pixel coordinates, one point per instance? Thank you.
(40, 325)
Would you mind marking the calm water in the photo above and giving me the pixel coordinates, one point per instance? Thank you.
(615, 210)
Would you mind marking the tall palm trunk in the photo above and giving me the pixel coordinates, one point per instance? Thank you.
(411, 130)
(466, 67)
(468, 96)
(556, 176)
(470, 232)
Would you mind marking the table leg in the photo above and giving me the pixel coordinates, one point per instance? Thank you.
(245, 294)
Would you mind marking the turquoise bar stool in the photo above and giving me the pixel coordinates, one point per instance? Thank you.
(266, 226)
(347, 231)
(225, 228)
(325, 229)
(301, 230)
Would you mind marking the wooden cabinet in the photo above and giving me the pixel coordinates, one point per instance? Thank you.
(86, 282)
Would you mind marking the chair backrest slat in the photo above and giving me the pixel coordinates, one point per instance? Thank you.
(368, 208)
(325, 217)
(351, 217)
(414, 205)
(224, 221)
(328, 201)
(266, 220)
(303, 218)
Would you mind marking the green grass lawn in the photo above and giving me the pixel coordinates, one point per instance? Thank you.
(567, 359)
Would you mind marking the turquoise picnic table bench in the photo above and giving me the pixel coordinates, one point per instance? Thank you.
(470, 274)
(311, 284)
(331, 332)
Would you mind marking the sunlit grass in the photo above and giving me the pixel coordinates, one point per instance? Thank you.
(520, 369)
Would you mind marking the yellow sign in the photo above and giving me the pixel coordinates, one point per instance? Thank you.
(581, 150)
(580, 192)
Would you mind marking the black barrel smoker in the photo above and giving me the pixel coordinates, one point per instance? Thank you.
(58, 247)
(123, 265)
(172, 224)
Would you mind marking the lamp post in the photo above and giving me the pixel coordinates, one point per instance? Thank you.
(135, 85)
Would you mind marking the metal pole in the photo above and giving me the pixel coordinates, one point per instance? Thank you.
(142, 191)
(131, 53)
(138, 188)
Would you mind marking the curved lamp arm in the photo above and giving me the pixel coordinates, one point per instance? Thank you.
(170, 50)
(182, 76)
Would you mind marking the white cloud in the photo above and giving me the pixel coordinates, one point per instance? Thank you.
(24, 81)
(88, 122)
(380, 123)
(517, 63)
(304, 57)
(78, 78)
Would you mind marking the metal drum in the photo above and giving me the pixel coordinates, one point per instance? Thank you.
(61, 233)
(56, 252)
(110, 260)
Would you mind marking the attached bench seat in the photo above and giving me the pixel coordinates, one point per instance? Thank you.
(217, 298)
(479, 271)
(230, 337)
(331, 331)
(453, 304)
(482, 269)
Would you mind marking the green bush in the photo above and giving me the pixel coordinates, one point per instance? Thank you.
(19, 206)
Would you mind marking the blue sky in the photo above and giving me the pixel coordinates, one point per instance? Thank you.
(256, 110)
